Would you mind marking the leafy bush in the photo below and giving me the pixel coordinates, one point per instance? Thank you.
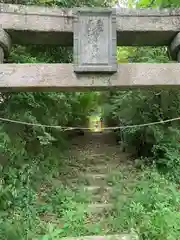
(31, 154)
(151, 208)
(158, 144)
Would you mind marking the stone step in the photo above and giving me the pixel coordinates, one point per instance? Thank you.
(103, 179)
(99, 183)
(103, 168)
(88, 179)
(97, 158)
(106, 194)
(96, 179)
(107, 237)
(99, 194)
(98, 189)
(104, 158)
(98, 208)
(100, 180)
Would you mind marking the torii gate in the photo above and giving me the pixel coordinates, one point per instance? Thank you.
(94, 33)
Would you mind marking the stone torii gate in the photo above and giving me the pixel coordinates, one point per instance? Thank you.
(94, 33)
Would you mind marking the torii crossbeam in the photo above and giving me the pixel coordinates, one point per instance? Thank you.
(95, 68)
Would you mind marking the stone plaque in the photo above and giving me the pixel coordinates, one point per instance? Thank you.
(95, 40)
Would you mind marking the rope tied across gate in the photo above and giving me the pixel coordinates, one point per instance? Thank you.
(88, 128)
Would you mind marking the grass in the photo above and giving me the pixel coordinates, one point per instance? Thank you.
(33, 206)
(151, 208)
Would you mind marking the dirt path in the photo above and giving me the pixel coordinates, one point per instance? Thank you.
(99, 193)
(98, 167)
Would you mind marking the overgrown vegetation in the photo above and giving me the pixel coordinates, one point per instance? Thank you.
(35, 205)
(154, 144)
(151, 207)
(33, 155)
(30, 154)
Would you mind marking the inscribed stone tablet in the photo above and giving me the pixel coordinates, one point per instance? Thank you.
(95, 40)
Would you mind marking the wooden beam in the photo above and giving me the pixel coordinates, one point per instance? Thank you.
(42, 25)
(60, 77)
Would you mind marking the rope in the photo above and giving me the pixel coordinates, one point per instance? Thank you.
(85, 128)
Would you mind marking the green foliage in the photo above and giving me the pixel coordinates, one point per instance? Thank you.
(157, 3)
(144, 202)
(30, 154)
(158, 144)
(151, 208)
(48, 108)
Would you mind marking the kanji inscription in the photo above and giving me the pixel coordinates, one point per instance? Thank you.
(95, 41)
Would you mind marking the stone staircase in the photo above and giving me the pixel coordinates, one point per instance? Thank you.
(100, 159)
